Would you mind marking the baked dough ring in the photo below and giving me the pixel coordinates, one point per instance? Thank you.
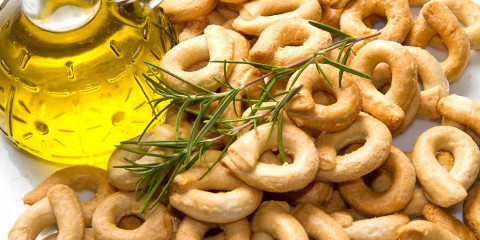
(391, 107)
(378, 228)
(189, 193)
(366, 129)
(331, 16)
(187, 10)
(257, 15)
(442, 187)
(318, 224)
(80, 177)
(60, 205)
(442, 218)
(124, 179)
(215, 44)
(195, 230)
(293, 40)
(437, 18)
(425, 230)
(274, 218)
(434, 81)
(157, 225)
(461, 110)
(305, 112)
(399, 19)
(368, 202)
(471, 209)
(467, 12)
(242, 158)
(316, 193)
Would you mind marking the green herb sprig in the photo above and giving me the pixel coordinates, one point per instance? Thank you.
(185, 152)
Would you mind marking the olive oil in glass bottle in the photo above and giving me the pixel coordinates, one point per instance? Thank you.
(71, 84)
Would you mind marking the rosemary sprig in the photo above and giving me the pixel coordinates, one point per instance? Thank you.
(268, 107)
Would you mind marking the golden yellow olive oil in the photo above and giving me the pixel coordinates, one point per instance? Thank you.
(71, 84)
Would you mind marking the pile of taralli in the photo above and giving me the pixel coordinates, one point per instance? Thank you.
(344, 179)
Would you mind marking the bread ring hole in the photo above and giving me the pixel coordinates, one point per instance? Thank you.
(197, 66)
(323, 98)
(288, 157)
(350, 148)
(382, 77)
(214, 233)
(51, 230)
(197, 61)
(379, 180)
(86, 195)
(439, 55)
(130, 222)
(445, 159)
(295, 43)
(375, 21)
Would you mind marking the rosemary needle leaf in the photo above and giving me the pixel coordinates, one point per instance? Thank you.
(329, 29)
(320, 70)
(346, 68)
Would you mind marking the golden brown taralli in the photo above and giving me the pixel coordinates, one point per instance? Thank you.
(371, 203)
(306, 112)
(79, 178)
(437, 18)
(274, 218)
(256, 15)
(443, 187)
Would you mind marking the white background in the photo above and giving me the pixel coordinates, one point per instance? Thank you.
(20, 172)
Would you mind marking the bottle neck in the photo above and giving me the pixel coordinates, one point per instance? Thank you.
(60, 15)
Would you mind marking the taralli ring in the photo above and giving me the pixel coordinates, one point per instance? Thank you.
(187, 10)
(437, 18)
(124, 179)
(305, 112)
(368, 202)
(377, 141)
(157, 221)
(399, 19)
(274, 218)
(442, 187)
(434, 81)
(425, 230)
(62, 206)
(462, 110)
(190, 193)
(255, 16)
(81, 177)
(384, 227)
(441, 217)
(215, 44)
(468, 13)
(295, 39)
(195, 230)
(242, 158)
(318, 224)
(390, 108)
(331, 16)
(316, 193)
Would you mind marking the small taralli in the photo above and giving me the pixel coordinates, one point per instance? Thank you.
(276, 130)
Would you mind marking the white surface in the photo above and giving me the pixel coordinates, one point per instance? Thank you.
(20, 172)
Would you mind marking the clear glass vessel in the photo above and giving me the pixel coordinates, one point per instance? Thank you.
(71, 83)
